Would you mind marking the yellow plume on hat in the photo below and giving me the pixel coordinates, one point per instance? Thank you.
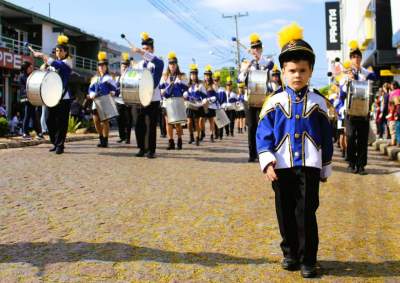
(241, 84)
(125, 56)
(228, 79)
(289, 33)
(171, 55)
(193, 67)
(208, 68)
(353, 44)
(102, 56)
(347, 64)
(62, 39)
(217, 74)
(275, 68)
(254, 37)
(144, 35)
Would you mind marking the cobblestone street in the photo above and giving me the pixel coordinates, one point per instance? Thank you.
(202, 214)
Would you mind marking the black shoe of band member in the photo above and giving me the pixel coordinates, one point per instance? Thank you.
(212, 138)
(179, 144)
(59, 150)
(151, 155)
(290, 264)
(203, 135)
(54, 148)
(120, 140)
(351, 168)
(251, 159)
(140, 153)
(128, 141)
(362, 171)
(171, 144)
(100, 144)
(308, 271)
(197, 141)
(191, 139)
(105, 143)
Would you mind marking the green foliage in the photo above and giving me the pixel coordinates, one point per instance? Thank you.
(3, 126)
(73, 125)
(325, 90)
(225, 72)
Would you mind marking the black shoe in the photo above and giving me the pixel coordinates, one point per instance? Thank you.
(251, 159)
(105, 142)
(179, 144)
(351, 168)
(59, 150)
(197, 141)
(232, 134)
(362, 171)
(191, 139)
(120, 140)
(171, 144)
(140, 153)
(290, 264)
(54, 148)
(203, 135)
(212, 138)
(101, 142)
(151, 155)
(128, 141)
(308, 271)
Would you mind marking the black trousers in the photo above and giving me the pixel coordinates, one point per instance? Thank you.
(162, 122)
(146, 127)
(124, 121)
(232, 116)
(357, 130)
(296, 203)
(252, 118)
(30, 114)
(57, 122)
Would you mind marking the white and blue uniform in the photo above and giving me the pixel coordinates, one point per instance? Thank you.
(295, 132)
(100, 86)
(173, 87)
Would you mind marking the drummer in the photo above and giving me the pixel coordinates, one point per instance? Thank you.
(125, 111)
(221, 99)
(259, 62)
(101, 84)
(57, 120)
(173, 84)
(240, 114)
(276, 82)
(230, 105)
(147, 131)
(195, 94)
(211, 100)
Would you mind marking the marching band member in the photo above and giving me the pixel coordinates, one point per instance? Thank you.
(230, 105)
(57, 121)
(240, 114)
(276, 83)
(125, 112)
(173, 84)
(101, 84)
(357, 128)
(143, 130)
(252, 113)
(221, 98)
(294, 143)
(211, 100)
(196, 93)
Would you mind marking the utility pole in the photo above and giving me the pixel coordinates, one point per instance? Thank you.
(49, 10)
(235, 17)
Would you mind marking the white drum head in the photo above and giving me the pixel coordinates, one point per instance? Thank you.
(51, 89)
(146, 88)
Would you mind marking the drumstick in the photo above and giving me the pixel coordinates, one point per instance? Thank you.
(127, 40)
(26, 44)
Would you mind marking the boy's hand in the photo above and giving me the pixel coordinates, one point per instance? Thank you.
(323, 180)
(270, 174)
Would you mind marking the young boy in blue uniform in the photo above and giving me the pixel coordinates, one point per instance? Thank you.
(294, 144)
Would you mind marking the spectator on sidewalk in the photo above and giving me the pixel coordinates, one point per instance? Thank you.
(16, 124)
(385, 110)
(392, 122)
(397, 119)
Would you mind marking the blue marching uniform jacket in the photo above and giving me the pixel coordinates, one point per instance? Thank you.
(221, 96)
(64, 69)
(102, 86)
(175, 89)
(212, 99)
(295, 131)
(194, 94)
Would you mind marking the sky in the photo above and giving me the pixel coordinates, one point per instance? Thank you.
(211, 40)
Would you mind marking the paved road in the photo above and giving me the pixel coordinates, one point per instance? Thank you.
(197, 215)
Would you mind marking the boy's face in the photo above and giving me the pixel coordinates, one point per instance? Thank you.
(297, 74)
(356, 60)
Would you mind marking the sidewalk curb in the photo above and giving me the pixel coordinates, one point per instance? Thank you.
(19, 144)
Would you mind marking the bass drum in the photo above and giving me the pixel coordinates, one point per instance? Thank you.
(176, 110)
(137, 87)
(44, 88)
(106, 108)
(257, 87)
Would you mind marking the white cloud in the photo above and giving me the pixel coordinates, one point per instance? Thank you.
(229, 6)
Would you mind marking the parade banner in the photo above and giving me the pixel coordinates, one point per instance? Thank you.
(11, 60)
(332, 18)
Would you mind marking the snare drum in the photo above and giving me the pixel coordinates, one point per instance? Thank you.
(106, 108)
(221, 119)
(176, 110)
(137, 87)
(239, 106)
(44, 88)
(193, 105)
(357, 102)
